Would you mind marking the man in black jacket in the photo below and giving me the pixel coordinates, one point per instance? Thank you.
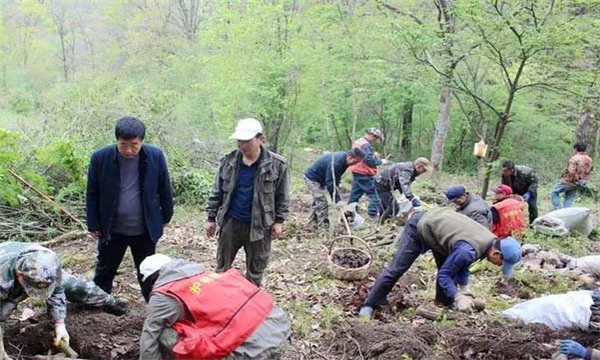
(129, 200)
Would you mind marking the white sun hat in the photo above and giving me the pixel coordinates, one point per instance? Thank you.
(246, 129)
(152, 264)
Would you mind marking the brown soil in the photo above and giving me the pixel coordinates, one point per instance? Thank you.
(513, 288)
(94, 335)
(350, 258)
(355, 339)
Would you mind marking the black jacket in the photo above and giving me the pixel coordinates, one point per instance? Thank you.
(328, 173)
(103, 190)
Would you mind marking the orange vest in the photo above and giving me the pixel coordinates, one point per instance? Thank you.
(225, 310)
(362, 167)
(511, 219)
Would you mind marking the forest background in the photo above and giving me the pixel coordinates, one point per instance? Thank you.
(435, 76)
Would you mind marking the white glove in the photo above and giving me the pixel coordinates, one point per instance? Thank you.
(384, 161)
(61, 333)
(339, 205)
(464, 289)
(463, 302)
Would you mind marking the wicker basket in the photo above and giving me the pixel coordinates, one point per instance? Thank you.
(344, 273)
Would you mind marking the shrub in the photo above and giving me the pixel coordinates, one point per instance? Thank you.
(192, 186)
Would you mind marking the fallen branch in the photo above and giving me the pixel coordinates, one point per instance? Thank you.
(46, 197)
(72, 235)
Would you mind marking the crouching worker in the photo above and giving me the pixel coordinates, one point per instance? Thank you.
(30, 270)
(573, 349)
(195, 313)
(507, 213)
(456, 242)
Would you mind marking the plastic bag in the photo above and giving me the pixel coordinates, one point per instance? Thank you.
(561, 222)
(358, 221)
(587, 264)
(562, 311)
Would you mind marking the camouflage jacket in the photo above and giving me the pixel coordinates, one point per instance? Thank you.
(399, 176)
(11, 292)
(524, 179)
(580, 168)
(271, 192)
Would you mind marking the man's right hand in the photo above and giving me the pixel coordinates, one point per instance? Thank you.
(463, 302)
(210, 228)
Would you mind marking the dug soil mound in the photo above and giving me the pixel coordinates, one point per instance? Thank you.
(350, 258)
(513, 288)
(94, 335)
(357, 339)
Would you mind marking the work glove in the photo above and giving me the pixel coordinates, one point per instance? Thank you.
(416, 202)
(581, 183)
(61, 333)
(340, 205)
(464, 289)
(384, 161)
(572, 348)
(527, 196)
(463, 302)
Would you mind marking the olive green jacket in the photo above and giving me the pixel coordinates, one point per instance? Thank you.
(271, 192)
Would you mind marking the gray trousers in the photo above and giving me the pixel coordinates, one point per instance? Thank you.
(232, 237)
(320, 209)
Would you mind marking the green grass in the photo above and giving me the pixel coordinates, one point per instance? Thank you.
(573, 244)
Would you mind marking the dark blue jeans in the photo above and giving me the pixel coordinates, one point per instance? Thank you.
(363, 184)
(411, 245)
(533, 211)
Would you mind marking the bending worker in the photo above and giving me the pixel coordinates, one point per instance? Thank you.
(470, 205)
(30, 270)
(399, 177)
(507, 213)
(456, 242)
(195, 313)
(324, 175)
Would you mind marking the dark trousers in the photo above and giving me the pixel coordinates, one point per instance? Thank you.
(388, 206)
(533, 211)
(363, 184)
(233, 236)
(111, 253)
(410, 246)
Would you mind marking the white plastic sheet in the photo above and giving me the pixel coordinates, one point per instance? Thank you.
(562, 311)
(561, 222)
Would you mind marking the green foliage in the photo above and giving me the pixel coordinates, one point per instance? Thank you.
(192, 186)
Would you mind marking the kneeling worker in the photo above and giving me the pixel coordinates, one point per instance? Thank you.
(507, 213)
(30, 270)
(456, 242)
(195, 313)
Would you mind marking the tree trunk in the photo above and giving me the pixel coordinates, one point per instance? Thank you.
(407, 120)
(441, 130)
(587, 131)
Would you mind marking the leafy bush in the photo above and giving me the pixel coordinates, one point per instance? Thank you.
(66, 164)
(192, 186)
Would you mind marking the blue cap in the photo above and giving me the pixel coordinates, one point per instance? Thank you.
(511, 254)
(454, 192)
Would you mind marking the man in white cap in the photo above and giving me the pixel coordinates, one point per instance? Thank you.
(190, 304)
(249, 201)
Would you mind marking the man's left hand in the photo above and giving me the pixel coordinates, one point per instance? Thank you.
(527, 196)
(277, 230)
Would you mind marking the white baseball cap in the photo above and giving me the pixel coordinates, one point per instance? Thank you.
(246, 129)
(152, 264)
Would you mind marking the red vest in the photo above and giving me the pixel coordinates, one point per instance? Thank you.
(511, 220)
(362, 167)
(225, 310)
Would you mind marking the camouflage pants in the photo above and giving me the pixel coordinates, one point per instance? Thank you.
(84, 292)
(320, 212)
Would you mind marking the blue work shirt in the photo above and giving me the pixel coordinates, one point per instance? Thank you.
(240, 207)
(321, 172)
(455, 270)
